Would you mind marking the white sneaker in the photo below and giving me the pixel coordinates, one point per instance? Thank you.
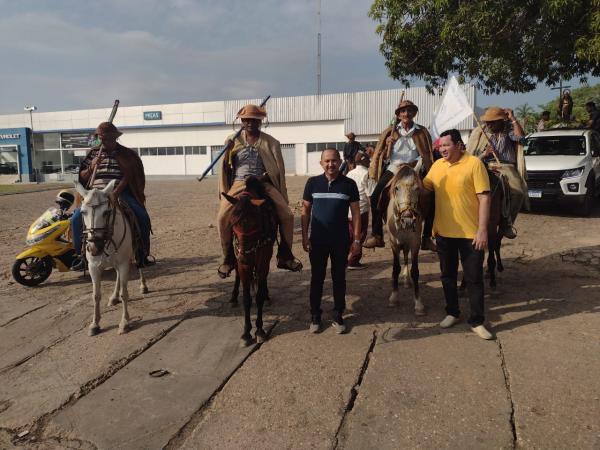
(449, 321)
(339, 326)
(314, 327)
(482, 332)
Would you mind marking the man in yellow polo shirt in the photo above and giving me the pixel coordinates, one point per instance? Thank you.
(462, 205)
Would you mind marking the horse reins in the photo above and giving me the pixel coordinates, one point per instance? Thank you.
(107, 230)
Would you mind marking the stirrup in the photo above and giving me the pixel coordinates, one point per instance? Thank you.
(224, 273)
(292, 265)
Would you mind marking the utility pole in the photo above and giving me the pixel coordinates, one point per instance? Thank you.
(31, 109)
(318, 47)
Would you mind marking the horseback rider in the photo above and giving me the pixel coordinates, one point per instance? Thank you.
(259, 154)
(406, 142)
(504, 133)
(111, 161)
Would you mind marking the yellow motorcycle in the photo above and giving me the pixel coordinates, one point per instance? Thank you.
(48, 246)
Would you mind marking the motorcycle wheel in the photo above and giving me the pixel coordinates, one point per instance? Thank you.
(32, 271)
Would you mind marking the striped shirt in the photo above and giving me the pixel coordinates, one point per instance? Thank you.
(505, 144)
(107, 170)
(330, 204)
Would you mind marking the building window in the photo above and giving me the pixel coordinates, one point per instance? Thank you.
(320, 146)
(195, 150)
(162, 151)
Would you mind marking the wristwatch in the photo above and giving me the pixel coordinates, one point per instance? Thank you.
(357, 241)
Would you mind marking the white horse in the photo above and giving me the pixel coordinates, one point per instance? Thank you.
(109, 244)
(405, 224)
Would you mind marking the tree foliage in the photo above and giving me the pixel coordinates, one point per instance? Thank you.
(498, 45)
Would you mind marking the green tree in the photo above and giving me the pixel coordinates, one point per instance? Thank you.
(508, 45)
(527, 116)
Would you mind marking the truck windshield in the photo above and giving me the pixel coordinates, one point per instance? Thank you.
(555, 145)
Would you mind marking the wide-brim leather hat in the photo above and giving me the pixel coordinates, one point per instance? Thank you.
(108, 129)
(493, 113)
(351, 135)
(406, 104)
(251, 111)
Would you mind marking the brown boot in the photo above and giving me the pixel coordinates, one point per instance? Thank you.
(374, 241)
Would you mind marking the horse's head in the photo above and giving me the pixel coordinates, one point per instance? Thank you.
(252, 219)
(404, 194)
(96, 211)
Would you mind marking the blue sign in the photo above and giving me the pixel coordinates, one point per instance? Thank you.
(152, 115)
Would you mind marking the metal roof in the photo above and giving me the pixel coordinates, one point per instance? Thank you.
(364, 113)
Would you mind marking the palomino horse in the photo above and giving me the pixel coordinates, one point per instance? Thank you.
(405, 223)
(254, 227)
(109, 244)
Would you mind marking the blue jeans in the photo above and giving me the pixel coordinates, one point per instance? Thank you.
(140, 213)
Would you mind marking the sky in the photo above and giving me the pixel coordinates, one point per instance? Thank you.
(79, 54)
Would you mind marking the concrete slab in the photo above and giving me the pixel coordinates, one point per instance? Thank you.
(554, 369)
(49, 380)
(292, 394)
(133, 410)
(426, 389)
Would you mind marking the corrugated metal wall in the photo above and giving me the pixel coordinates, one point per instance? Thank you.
(364, 113)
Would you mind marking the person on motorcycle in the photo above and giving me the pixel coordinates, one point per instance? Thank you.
(112, 161)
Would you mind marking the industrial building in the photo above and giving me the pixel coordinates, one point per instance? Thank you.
(182, 139)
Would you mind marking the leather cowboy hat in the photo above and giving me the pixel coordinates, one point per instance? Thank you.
(351, 135)
(108, 128)
(251, 111)
(492, 114)
(406, 104)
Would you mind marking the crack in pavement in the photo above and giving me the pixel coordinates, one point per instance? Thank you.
(508, 393)
(355, 389)
(39, 425)
(179, 438)
(23, 315)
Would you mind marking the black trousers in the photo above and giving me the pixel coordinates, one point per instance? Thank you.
(377, 225)
(319, 254)
(472, 262)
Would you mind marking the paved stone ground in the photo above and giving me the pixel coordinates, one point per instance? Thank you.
(394, 381)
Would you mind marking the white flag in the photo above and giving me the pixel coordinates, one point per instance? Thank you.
(454, 108)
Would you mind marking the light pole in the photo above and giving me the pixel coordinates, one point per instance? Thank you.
(31, 109)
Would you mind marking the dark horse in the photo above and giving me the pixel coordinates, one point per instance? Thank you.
(254, 225)
(494, 261)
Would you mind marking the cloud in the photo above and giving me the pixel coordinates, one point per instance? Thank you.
(72, 54)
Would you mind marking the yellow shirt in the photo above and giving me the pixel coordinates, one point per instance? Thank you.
(456, 187)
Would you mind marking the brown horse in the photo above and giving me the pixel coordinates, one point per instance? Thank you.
(254, 225)
(405, 224)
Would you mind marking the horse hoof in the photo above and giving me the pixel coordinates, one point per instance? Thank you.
(393, 304)
(113, 302)
(246, 342)
(123, 328)
(261, 337)
(420, 311)
(93, 330)
(145, 290)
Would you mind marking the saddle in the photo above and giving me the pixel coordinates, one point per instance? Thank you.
(135, 228)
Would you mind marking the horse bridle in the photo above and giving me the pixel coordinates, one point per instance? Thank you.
(260, 242)
(105, 232)
(407, 211)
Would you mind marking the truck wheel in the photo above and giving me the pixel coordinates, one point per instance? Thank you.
(32, 271)
(588, 201)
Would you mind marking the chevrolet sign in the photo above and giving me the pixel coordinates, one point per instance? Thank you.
(152, 115)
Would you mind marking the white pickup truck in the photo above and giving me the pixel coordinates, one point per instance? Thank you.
(563, 165)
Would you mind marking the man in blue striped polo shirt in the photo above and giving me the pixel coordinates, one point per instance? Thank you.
(327, 199)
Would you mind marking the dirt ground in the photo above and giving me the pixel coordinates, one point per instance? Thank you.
(393, 381)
